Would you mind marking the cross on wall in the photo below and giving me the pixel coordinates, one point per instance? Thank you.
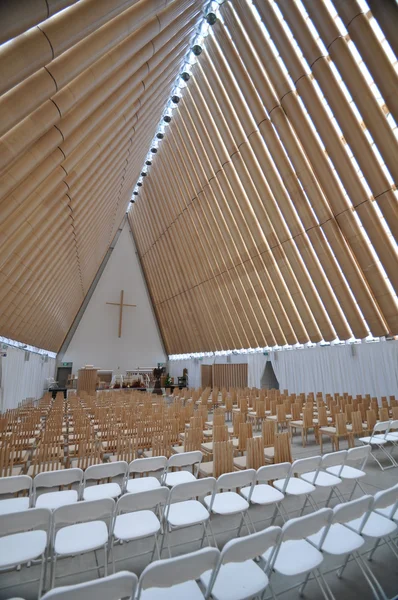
(120, 304)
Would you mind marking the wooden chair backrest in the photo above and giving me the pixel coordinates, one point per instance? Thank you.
(6, 460)
(193, 439)
(341, 424)
(273, 405)
(218, 420)
(196, 421)
(89, 452)
(255, 453)
(371, 419)
(295, 411)
(348, 412)
(243, 405)
(47, 457)
(268, 433)
(384, 402)
(125, 448)
(245, 432)
(228, 404)
(308, 418)
(237, 419)
(322, 416)
(161, 444)
(394, 412)
(281, 413)
(282, 448)
(220, 433)
(356, 422)
(223, 458)
(384, 414)
(260, 408)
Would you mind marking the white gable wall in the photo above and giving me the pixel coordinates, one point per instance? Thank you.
(96, 340)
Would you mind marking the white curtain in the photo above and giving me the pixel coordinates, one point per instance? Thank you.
(256, 366)
(20, 379)
(370, 368)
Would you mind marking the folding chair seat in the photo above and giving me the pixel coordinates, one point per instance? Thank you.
(139, 466)
(355, 456)
(294, 555)
(113, 587)
(184, 510)
(135, 518)
(297, 486)
(237, 576)
(379, 439)
(176, 577)
(229, 502)
(14, 485)
(24, 537)
(100, 472)
(321, 478)
(340, 540)
(185, 459)
(52, 479)
(260, 492)
(79, 528)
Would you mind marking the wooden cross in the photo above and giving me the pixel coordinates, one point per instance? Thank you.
(121, 310)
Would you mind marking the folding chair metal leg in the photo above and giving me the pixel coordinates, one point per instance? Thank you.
(53, 567)
(391, 546)
(325, 583)
(212, 534)
(106, 559)
(341, 570)
(203, 536)
(112, 551)
(304, 505)
(41, 581)
(374, 549)
(320, 585)
(302, 586)
(370, 577)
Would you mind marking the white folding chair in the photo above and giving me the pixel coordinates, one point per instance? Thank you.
(392, 434)
(378, 525)
(297, 486)
(227, 502)
(176, 577)
(24, 537)
(52, 479)
(338, 540)
(100, 472)
(179, 461)
(391, 511)
(262, 493)
(184, 510)
(79, 528)
(237, 575)
(113, 587)
(135, 518)
(379, 439)
(294, 555)
(139, 466)
(13, 485)
(322, 479)
(355, 456)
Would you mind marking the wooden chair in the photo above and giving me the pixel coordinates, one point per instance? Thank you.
(257, 416)
(307, 423)
(125, 449)
(282, 448)
(280, 417)
(357, 428)
(335, 433)
(220, 434)
(245, 432)
(223, 461)
(254, 458)
(89, 452)
(384, 414)
(46, 458)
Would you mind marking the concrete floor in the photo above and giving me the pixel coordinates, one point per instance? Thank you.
(136, 555)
